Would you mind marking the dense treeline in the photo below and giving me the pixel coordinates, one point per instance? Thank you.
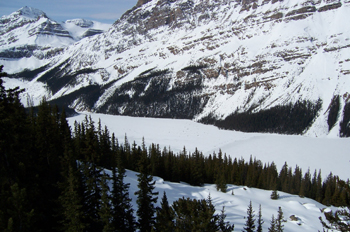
(221, 169)
(53, 178)
(285, 119)
(345, 123)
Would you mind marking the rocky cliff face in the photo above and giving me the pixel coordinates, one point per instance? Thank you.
(278, 66)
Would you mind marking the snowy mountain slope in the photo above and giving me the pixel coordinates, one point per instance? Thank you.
(29, 26)
(210, 61)
(82, 28)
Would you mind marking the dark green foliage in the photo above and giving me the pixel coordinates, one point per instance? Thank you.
(152, 97)
(165, 216)
(260, 221)
(220, 178)
(272, 227)
(105, 211)
(339, 220)
(274, 195)
(153, 73)
(194, 68)
(333, 112)
(20, 216)
(287, 119)
(250, 222)
(87, 95)
(197, 215)
(29, 74)
(122, 212)
(222, 224)
(345, 123)
(146, 198)
(279, 220)
(197, 169)
(71, 201)
(60, 76)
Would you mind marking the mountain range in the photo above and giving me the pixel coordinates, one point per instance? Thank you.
(250, 65)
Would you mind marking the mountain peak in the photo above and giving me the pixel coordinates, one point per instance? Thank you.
(141, 2)
(84, 23)
(31, 12)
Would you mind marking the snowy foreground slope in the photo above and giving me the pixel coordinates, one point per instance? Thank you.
(327, 153)
(306, 210)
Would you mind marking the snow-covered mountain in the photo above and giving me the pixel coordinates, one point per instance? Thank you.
(29, 32)
(280, 66)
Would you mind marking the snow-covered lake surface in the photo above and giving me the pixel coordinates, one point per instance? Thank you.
(327, 154)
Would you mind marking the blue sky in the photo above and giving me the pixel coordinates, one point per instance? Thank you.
(106, 11)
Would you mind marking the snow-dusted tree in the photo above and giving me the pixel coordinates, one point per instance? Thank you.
(250, 222)
(260, 221)
(272, 227)
(274, 194)
(340, 220)
(224, 226)
(279, 220)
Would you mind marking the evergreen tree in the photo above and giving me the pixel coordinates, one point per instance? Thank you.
(260, 221)
(145, 197)
(195, 215)
(274, 194)
(122, 211)
(222, 225)
(340, 220)
(250, 222)
(71, 203)
(220, 179)
(20, 216)
(92, 178)
(197, 170)
(279, 220)
(319, 195)
(105, 210)
(272, 227)
(165, 216)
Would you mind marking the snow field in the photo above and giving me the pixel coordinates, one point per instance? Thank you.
(328, 154)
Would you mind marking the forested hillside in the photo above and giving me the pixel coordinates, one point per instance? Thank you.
(52, 177)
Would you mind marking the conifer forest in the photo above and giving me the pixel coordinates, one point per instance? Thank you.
(52, 178)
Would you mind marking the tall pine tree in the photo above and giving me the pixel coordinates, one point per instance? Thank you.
(165, 216)
(122, 211)
(146, 197)
(250, 222)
